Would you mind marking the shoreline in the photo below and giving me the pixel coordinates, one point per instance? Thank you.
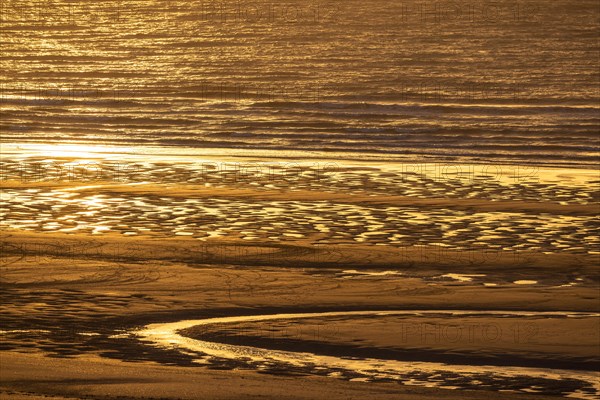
(72, 294)
(87, 149)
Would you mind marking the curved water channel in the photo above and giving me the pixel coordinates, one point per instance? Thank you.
(431, 374)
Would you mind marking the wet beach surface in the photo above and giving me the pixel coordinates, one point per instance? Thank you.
(100, 290)
(302, 200)
(308, 238)
(451, 205)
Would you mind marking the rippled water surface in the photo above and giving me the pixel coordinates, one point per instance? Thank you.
(471, 79)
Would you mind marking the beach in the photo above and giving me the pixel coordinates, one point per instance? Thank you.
(299, 200)
(477, 311)
(99, 304)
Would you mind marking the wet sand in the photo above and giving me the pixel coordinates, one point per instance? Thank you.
(84, 310)
(107, 379)
(86, 265)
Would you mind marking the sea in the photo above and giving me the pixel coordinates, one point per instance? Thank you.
(503, 82)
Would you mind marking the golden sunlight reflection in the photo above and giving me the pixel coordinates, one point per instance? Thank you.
(322, 199)
(54, 150)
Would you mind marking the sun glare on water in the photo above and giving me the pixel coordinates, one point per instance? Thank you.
(80, 151)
